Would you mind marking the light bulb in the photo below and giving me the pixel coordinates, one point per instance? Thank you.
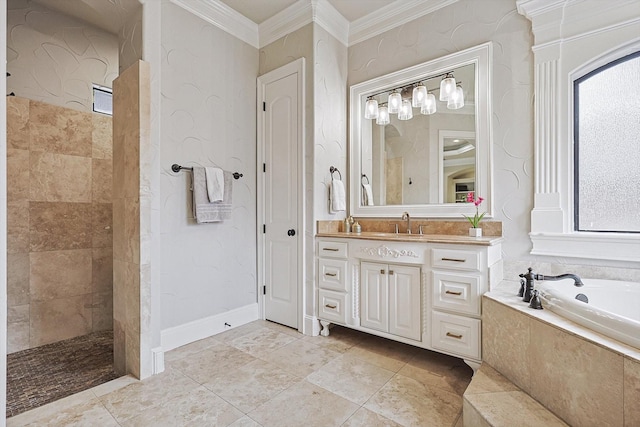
(406, 111)
(395, 101)
(419, 95)
(383, 116)
(371, 109)
(429, 106)
(447, 86)
(456, 100)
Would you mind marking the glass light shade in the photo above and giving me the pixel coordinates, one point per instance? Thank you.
(395, 102)
(447, 86)
(429, 105)
(456, 100)
(406, 111)
(418, 96)
(383, 116)
(371, 109)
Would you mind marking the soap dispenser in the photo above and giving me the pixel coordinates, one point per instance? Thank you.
(357, 228)
(347, 226)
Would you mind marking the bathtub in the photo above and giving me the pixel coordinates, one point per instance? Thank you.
(613, 307)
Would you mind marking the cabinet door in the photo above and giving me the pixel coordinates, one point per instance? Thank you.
(404, 301)
(373, 296)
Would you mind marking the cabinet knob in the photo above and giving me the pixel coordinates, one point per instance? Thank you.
(390, 272)
(383, 271)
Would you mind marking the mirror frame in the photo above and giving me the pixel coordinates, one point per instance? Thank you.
(480, 56)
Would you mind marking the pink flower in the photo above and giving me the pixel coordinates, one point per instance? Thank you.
(477, 202)
(470, 197)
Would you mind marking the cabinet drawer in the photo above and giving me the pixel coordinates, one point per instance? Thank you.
(332, 306)
(332, 274)
(456, 334)
(332, 249)
(457, 259)
(456, 291)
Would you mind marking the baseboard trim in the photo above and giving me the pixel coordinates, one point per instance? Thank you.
(199, 329)
(311, 326)
(158, 360)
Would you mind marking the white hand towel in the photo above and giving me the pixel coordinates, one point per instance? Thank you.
(367, 194)
(215, 184)
(337, 196)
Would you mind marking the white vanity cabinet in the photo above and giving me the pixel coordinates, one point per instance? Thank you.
(421, 290)
(390, 299)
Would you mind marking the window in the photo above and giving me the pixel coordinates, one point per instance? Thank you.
(102, 100)
(607, 147)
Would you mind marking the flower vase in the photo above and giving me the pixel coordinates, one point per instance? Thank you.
(475, 232)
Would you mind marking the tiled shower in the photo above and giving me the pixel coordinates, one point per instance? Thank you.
(59, 223)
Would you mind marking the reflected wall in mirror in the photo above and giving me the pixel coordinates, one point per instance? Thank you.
(428, 156)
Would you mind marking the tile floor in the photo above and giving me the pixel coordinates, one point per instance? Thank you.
(264, 374)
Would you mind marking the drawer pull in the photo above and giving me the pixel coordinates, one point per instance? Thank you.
(456, 336)
(330, 274)
(332, 307)
(330, 249)
(453, 292)
(454, 259)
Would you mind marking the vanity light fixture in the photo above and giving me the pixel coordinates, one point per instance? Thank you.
(456, 99)
(383, 116)
(418, 96)
(395, 102)
(406, 110)
(371, 109)
(429, 105)
(447, 86)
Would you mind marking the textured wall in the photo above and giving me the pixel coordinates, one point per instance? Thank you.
(59, 223)
(462, 25)
(208, 116)
(54, 58)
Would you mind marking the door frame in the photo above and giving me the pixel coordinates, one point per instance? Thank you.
(297, 66)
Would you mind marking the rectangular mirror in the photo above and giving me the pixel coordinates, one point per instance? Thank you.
(426, 157)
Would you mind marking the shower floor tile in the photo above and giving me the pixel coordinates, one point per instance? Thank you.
(44, 374)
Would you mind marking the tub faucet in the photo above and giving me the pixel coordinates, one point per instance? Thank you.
(406, 216)
(526, 291)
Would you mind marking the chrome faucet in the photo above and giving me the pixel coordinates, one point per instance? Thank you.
(526, 288)
(406, 216)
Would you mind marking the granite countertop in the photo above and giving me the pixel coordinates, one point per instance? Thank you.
(416, 238)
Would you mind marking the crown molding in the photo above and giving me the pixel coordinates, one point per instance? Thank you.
(331, 20)
(391, 16)
(290, 19)
(223, 17)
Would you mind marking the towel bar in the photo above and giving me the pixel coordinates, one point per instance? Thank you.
(177, 168)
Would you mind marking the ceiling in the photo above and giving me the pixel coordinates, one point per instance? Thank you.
(260, 10)
(109, 14)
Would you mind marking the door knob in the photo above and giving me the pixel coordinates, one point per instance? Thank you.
(291, 232)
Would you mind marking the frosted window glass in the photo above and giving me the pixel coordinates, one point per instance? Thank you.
(102, 100)
(608, 148)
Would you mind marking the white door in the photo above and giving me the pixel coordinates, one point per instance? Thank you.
(374, 298)
(279, 138)
(404, 301)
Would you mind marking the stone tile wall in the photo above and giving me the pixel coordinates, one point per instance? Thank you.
(59, 223)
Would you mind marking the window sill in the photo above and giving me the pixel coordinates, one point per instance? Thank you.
(598, 246)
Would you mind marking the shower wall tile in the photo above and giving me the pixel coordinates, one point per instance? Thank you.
(102, 315)
(119, 235)
(17, 174)
(132, 230)
(17, 123)
(101, 136)
(59, 274)
(18, 226)
(102, 182)
(60, 178)
(17, 328)
(59, 319)
(101, 223)
(59, 130)
(56, 226)
(17, 279)
(577, 380)
(631, 393)
(102, 271)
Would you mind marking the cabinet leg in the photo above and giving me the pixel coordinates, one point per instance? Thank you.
(325, 328)
(474, 365)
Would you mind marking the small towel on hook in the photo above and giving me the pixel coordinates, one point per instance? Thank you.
(205, 211)
(367, 195)
(337, 196)
(215, 184)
